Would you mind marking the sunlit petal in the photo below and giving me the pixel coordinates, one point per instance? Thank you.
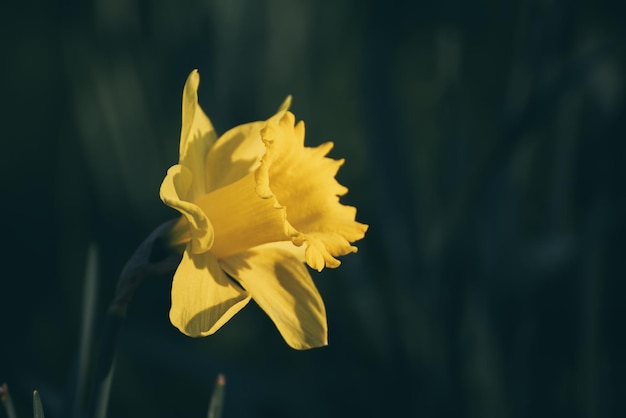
(281, 285)
(284, 246)
(203, 297)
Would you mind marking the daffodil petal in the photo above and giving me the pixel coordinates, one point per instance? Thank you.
(174, 191)
(282, 286)
(234, 155)
(197, 135)
(285, 246)
(203, 297)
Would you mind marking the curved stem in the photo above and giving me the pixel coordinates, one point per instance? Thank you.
(153, 257)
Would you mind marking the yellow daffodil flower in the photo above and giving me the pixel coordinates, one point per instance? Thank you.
(257, 206)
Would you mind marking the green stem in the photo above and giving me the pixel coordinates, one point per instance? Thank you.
(217, 398)
(37, 406)
(152, 258)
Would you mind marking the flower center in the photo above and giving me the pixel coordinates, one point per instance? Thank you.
(241, 219)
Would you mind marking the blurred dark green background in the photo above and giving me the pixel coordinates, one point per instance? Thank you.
(484, 145)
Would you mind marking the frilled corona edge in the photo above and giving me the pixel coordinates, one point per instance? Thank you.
(301, 182)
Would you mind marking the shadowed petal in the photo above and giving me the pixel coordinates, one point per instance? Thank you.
(281, 285)
(237, 152)
(203, 297)
(234, 155)
(174, 189)
(197, 135)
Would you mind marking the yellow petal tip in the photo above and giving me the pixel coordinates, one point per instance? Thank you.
(286, 104)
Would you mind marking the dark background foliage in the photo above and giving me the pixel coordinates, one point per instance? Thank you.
(484, 145)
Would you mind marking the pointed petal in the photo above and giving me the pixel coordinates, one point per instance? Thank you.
(234, 155)
(174, 191)
(282, 286)
(285, 105)
(197, 135)
(203, 297)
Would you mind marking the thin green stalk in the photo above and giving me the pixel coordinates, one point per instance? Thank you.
(217, 398)
(90, 293)
(37, 406)
(103, 374)
(102, 404)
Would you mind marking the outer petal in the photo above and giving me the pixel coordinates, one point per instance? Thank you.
(174, 190)
(237, 152)
(286, 246)
(203, 297)
(282, 286)
(197, 135)
(234, 155)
